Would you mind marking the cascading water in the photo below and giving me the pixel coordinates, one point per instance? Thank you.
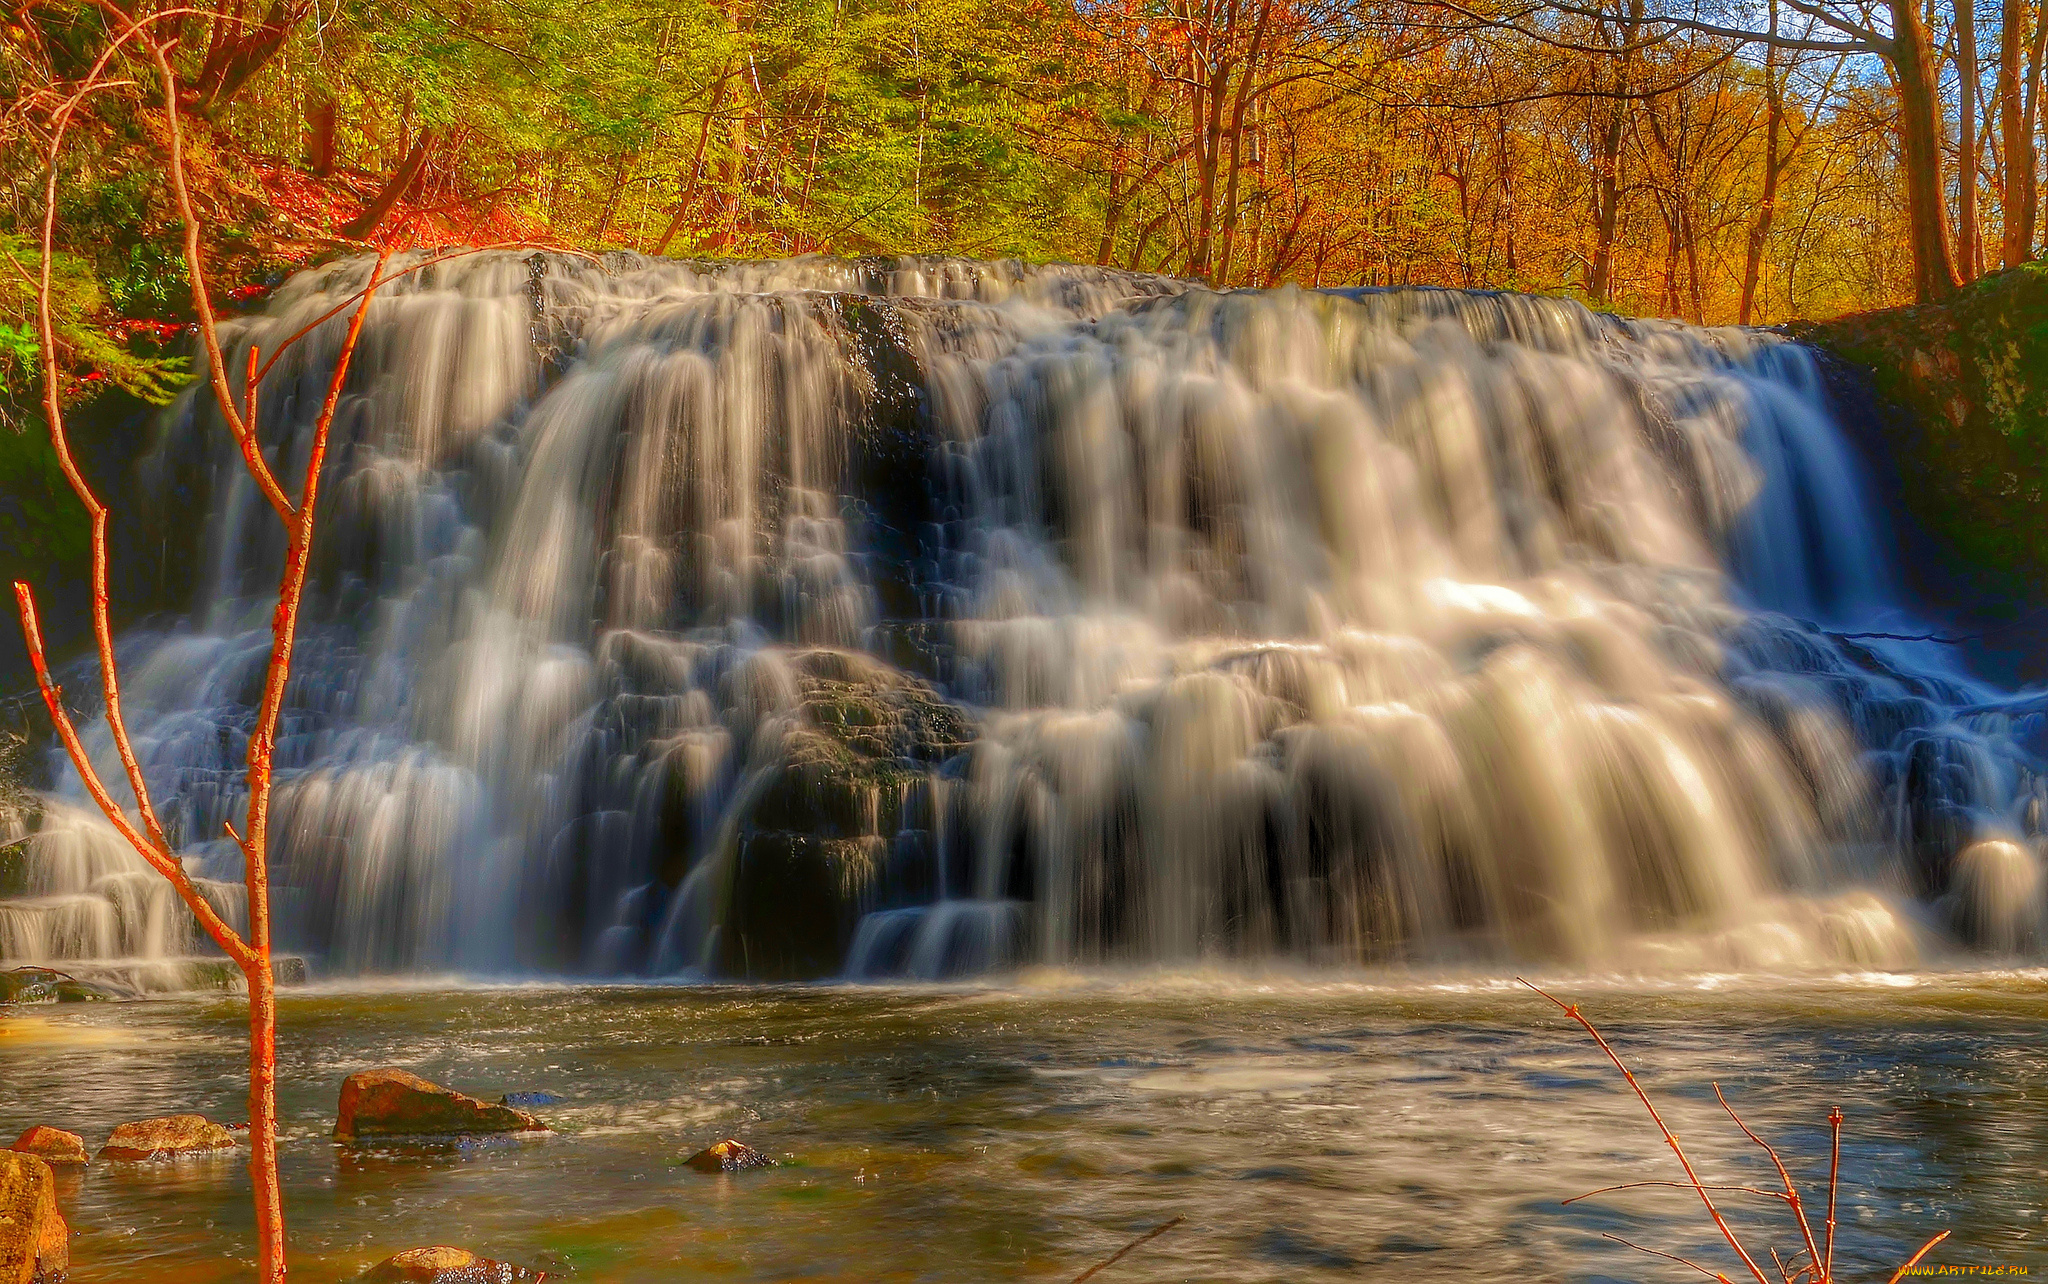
(921, 617)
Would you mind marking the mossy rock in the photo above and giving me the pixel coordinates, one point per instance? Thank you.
(814, 847)
(13, 871)
(1969, 455)
(877, 711)
(29, 985)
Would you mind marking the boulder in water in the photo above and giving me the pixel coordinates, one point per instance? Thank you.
(51, 1145)
(444, 1265)
(727, 1156)
(398, 1103)
(166, 1137)
(35, 1244)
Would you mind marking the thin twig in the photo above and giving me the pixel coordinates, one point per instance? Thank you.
(379, 281)
(1675, 1185)
(163, 862)
(1670, 1138)
(1113, 1258)
(1827, 1266)
(1672, 1257)
(1791, 1191)
(1914, 1260)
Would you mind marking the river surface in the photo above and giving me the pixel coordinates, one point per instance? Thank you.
(1305, 1128)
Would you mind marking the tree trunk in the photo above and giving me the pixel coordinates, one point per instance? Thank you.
(1206, 112)
(688, 196)
(1606, 209)
(401, 180)
(1246, 81)
(320, 113)
(1607, 180)
(1920, 136)
(1144, 239)
(1507, 196)
(233, 55)
(611, 201)
(2019, 84)
(1968, 260)
(1767, 207)
(2014, 145)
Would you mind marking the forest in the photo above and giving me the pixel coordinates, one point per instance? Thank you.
(1724, 162)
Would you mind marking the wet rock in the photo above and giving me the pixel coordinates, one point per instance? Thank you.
(397, 1103)
(51, 1145)
(167, 1137)
(226, 975)
(852, 770)
(727, 1156)
(444, 1265)
(30, 985)
(85, 992)
(528, 1100)
(1955, 429)
(34, 1241)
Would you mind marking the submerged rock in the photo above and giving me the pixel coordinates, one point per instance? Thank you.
(444, 1265)
(51, 1145)
(167, 1137)
(34, 1241)
(727, 1156)
(398, 1103)
(527, 1100)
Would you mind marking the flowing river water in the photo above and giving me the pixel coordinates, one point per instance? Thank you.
(1357, 1128)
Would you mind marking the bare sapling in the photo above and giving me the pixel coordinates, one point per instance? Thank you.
(250, 948)
(135, 37)
(1813, 1262)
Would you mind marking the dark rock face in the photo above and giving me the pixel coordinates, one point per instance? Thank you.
(727, 1156)
(1958, 432)
(51, 1145)
(168, 1137)
(397, 1103)
(34, 1241)
(851, 778)
(528, 1100)
(443, 1265)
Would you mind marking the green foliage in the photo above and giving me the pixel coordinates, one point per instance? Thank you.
(41, 521)
(87, 354)
(147, 280)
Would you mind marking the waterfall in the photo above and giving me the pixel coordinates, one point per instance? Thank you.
(917, 618)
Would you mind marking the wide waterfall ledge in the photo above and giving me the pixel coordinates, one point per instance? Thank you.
(925, 618)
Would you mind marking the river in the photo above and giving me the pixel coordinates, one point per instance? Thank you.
(1361, 1127)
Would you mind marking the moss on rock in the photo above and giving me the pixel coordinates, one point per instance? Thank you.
(852, 773)
(1970, 455)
